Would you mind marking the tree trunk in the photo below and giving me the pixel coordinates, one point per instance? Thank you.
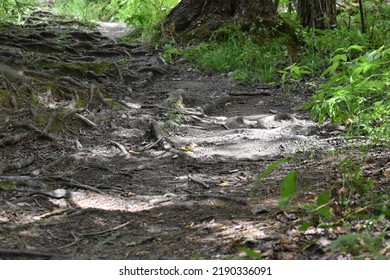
(197, 19)
(319, 14)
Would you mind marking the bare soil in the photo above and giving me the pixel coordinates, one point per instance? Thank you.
(109, 152)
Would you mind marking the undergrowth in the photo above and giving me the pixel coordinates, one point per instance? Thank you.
(355, 209)
(14, 10)
(230, 50)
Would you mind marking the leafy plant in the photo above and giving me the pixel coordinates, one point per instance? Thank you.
(139, 13)
(355, 244)
(357, 91)
(267, 171)
(289, 189)
(250, 253)
(293, 74)
(13, 10)
(85, 10)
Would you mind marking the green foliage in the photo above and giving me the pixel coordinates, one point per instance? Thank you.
(292, 74)
(13, 10)
(352, 177)
(267, 171)
(289, 189)
(232, 51)
(172, 52)
(356, 244)
(84, 10)
(322, 204)
(356, 92)
(139, 13)
(250, 253)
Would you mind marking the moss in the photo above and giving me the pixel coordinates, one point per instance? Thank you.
(78, 69)
(114, 104)
(4, 97)
(6, 186)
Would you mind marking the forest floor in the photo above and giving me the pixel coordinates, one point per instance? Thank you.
(109, 152)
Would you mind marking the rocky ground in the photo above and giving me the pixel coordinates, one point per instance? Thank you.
(107, 151)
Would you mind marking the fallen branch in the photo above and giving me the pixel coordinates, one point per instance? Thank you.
(121, 147)
(158, 135)
(84, 119)
(151, 145)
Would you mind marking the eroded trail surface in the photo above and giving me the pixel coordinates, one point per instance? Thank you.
(109, 152)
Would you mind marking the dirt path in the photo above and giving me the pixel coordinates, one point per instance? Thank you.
(109, 152)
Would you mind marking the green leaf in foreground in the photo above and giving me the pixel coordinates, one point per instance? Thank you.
(304, 226)
(250, 252)
(267, 171)
(289, 188)
(322, 200)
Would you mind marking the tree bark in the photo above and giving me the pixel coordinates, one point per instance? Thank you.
(197, 19)
(320, 14)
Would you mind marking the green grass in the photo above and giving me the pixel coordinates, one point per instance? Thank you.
(14, 10)
(84, 10)
(232, 51)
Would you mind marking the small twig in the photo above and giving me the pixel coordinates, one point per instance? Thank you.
(73, 183)
(158, 134)
(105, 231)
(223, 197)
(198, 182)
(87, 121)
(151, 145)
(70, 244)
(62, 239)
(121, 147)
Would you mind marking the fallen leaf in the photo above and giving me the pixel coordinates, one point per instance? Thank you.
(324, 241)
(223, 184)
